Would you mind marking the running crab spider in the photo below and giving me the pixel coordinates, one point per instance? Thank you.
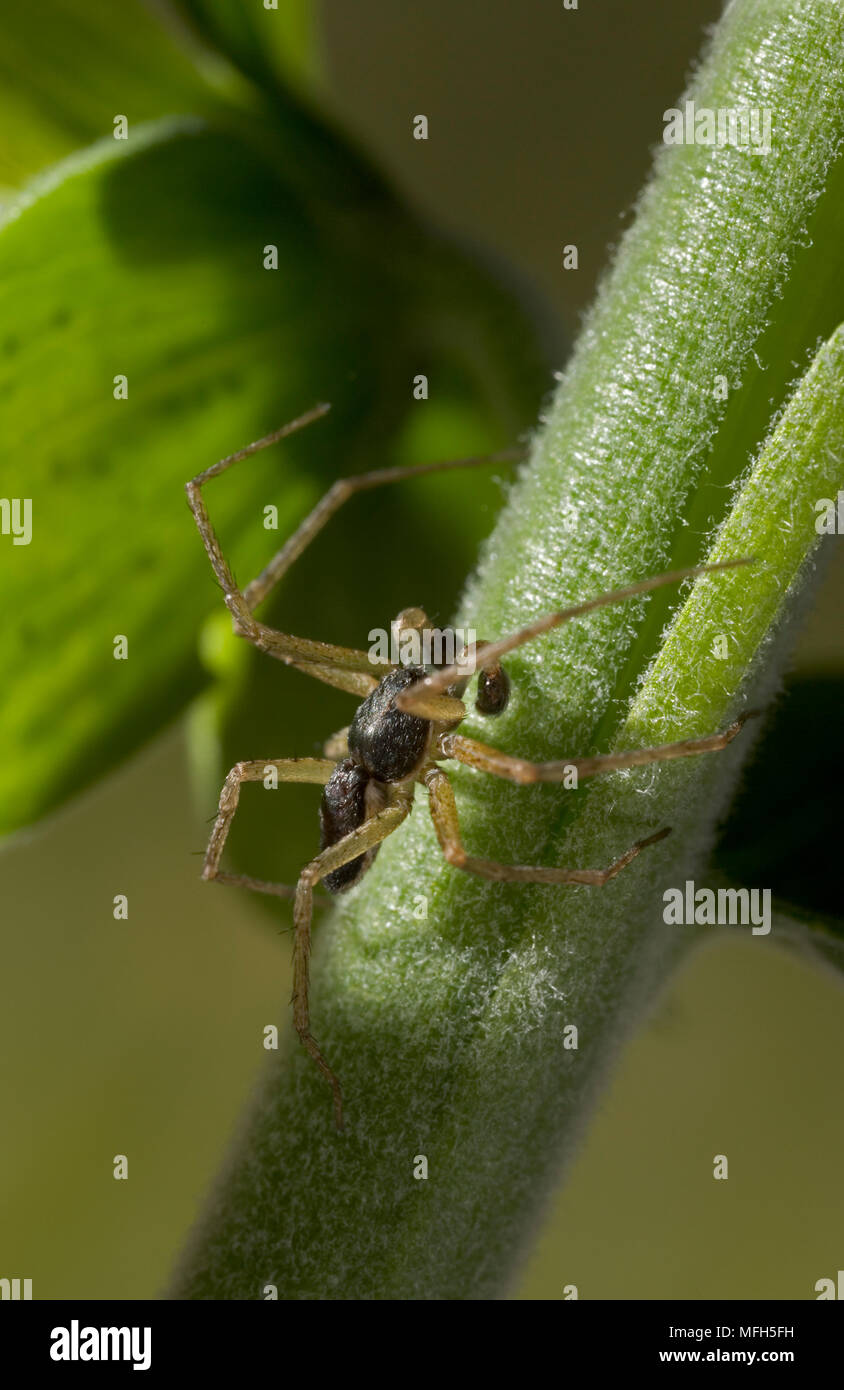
(405, 726)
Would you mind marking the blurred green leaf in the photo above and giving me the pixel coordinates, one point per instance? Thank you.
(269, 45)
(148, 263)
(145, 259)
(100, 62)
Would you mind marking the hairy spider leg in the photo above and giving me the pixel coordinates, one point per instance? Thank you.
(343, 667)
(349, 669)
(520, 770)
(358, 841)
(340, 492)
(447, 825)
(365, 837)
(289, 770)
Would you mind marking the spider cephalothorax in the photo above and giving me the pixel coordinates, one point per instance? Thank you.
(390, 743)
(386, 747)
(404, 728)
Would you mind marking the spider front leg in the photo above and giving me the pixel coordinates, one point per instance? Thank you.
(447, 825)
(520, 770)
(289, 770)
(367, 836)
(343, 667)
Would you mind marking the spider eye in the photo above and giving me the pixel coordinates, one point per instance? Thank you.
(493, 691)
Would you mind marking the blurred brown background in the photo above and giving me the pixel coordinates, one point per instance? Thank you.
(138, 1037)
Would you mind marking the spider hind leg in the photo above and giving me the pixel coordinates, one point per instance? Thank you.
(447, 825)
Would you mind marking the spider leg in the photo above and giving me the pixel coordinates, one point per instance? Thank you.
(320, 659)
(340, 492)
(289, 770)
(323, 660)
(486, 759)
(444, 709)
(411, 699)
(447, 825)
(331, 501)
(358, 841)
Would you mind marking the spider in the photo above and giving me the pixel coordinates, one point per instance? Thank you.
(405, 726)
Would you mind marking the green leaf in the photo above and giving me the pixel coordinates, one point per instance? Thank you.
(100, 62)
(148, 264)
(448, 1031)
(146, 261)
(271, 46)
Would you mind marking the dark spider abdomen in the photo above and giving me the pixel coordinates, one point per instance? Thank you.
(343, 808)
(388, 742)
